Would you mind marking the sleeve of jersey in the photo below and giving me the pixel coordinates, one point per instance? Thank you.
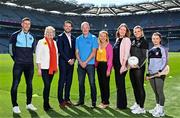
(12, 44)
(164, 58)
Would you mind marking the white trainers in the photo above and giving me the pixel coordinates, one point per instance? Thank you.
(103, 106)
(16, 110)
(159, 112)
(154, 110)
(31, 107)
(138, 110)
(134, 106)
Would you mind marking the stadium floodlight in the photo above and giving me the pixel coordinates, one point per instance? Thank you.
(157, 10)
(11, 4)
(55, 12)
(106, 14)
(88, 14)
(70, 13)
(39, 9)
(27, 7)
(124, 14)
(174, 9)
(141, 12)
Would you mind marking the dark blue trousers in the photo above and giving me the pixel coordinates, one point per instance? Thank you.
(65, 81)
(90, 70)
(18, 69)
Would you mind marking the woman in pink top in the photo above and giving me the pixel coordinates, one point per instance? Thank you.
(121, 52)
(104, 65)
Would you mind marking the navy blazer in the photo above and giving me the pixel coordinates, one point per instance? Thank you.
(66, 52)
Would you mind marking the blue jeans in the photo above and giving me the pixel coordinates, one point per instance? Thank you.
(90, 70)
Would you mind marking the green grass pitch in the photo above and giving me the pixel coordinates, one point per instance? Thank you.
(172, 90)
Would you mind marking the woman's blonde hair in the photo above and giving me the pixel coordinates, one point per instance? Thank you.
(139, 27)
(49, 28)
(128, 33)
(107, 36)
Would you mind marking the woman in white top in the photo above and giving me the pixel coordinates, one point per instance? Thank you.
(47, 61)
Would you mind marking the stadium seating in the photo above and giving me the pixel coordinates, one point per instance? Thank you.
(4, 45)
(168, 24)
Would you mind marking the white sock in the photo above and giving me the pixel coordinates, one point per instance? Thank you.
(161, 108)
(157, 105)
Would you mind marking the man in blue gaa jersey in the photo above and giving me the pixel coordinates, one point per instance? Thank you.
(21, 49)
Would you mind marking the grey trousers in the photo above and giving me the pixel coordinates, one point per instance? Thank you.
(157, 85)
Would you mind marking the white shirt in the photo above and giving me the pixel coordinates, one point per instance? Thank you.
(42, 53)
(69, 38)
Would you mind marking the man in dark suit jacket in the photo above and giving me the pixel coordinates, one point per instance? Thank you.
(66, 48)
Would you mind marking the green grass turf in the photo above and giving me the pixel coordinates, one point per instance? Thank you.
(172, 89)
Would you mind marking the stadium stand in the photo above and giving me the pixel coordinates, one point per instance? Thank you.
(166, 22)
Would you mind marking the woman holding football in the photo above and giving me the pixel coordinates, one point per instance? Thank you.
(139, 48)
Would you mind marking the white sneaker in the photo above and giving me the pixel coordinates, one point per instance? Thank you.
(138, 110)
(159, 112)
(31, 107)
(16, 110)
(134, 106)
(154, 110)
(101, 106)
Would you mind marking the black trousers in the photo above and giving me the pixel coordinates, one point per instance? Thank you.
(47, 79)
(65, 81)
(18, 69)
(137, 81)
(103, 82)
(121, 89)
